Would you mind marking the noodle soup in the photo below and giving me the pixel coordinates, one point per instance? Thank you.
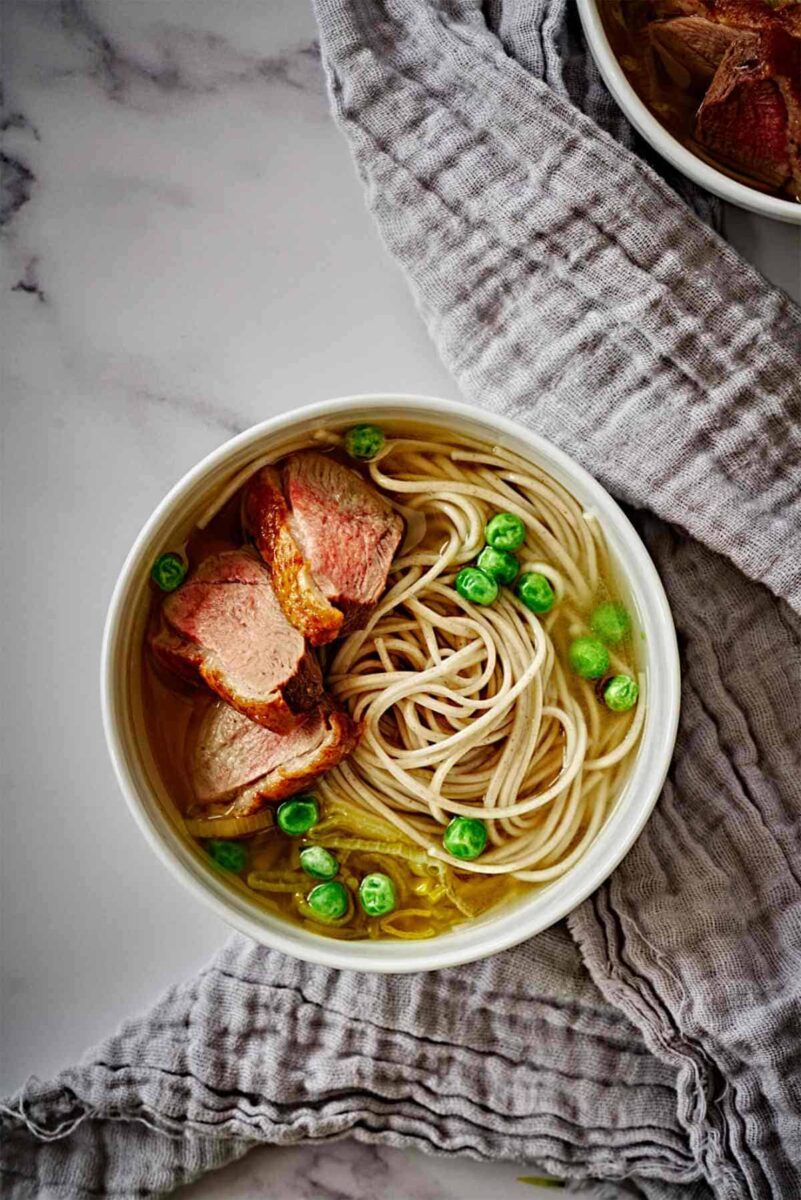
(511, 714)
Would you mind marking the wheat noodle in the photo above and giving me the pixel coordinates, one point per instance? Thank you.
(469, 710)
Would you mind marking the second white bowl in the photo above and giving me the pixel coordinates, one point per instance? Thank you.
(663, 142)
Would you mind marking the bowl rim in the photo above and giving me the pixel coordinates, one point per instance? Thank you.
(477, 939)
(663, 141)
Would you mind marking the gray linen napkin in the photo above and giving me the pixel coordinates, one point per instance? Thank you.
(650, 1046)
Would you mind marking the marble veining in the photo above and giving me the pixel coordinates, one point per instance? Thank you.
(17, 178)
(212, 415)
(185, 251)
(152, 65)
(28, 281)
(177, 58)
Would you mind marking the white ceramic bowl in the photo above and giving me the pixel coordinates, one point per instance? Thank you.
(663, 142)
(153, 809)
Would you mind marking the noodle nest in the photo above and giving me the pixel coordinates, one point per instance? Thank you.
(470, 710)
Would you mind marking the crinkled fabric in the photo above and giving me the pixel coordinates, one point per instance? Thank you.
(648, 1047)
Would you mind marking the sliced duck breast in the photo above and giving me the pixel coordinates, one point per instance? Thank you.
(244, 766)
(225, 627)
(329, 538)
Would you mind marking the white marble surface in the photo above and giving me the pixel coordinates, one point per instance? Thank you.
(186, 251)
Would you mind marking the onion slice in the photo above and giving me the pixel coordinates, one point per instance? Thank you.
(229, 827)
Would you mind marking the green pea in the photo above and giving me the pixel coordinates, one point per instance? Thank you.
(318, 862)
(620, 693)
(536, 592)
(465, 837)
(505, 532)
(298, 815)
(364, 441)
(475, 585)
(168, 571)
(231, 856)
(588, 657)
(498, 564)
(328, 901)
(377, 894)
(610, 622)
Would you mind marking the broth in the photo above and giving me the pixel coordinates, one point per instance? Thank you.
(367, 819)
